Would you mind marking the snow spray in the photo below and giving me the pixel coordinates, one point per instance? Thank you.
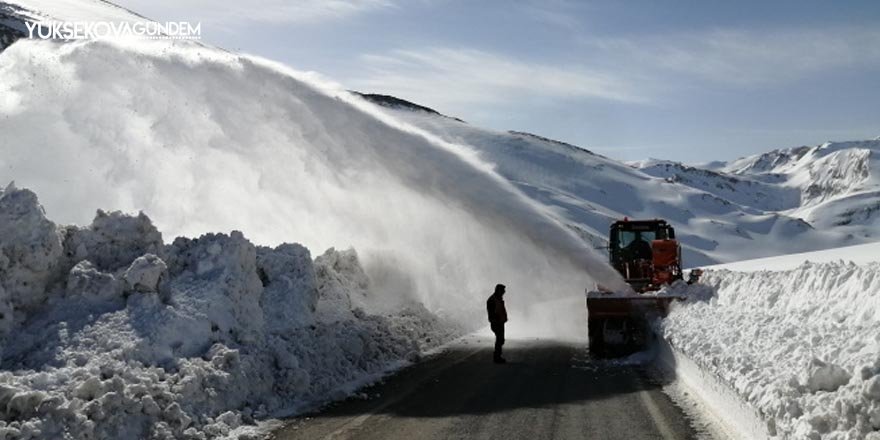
(203, 140)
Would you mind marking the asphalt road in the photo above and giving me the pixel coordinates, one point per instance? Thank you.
(548, 390)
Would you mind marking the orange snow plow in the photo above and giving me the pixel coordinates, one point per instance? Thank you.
(647, 255)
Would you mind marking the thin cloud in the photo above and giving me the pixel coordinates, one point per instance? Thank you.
(743, 57)
(555, 13)
(447, 76)
(261, 11)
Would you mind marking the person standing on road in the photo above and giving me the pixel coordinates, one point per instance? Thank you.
(497, 318)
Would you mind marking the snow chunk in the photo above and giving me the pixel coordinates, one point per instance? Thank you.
(290, 294)
(30, 249)
(871, 388)
(113, 240)
(89, 389)
(342, 284)
(87, 282)
(144, 273)
(215, 280)
(823, 376)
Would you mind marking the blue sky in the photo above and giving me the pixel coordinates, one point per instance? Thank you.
(684, 80)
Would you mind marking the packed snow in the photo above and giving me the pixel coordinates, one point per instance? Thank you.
(108, 333)
(800, 346)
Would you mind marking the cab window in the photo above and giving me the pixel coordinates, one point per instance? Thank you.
(627, 237)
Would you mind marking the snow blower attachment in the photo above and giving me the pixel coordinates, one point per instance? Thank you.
(648, 256)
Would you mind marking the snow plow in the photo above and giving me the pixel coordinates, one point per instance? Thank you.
(647, 255)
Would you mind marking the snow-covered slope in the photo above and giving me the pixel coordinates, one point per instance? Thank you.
(719, 217)
(12, 23)
(14, 14)
(745, 191)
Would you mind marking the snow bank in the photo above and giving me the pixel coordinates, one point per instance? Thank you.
(107, 333)
(710, 402)
(858, 254)
(799, 346)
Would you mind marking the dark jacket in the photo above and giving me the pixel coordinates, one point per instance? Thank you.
(495, 309)
(640, 249)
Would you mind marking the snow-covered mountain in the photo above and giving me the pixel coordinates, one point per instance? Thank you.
(724, 212)
(14, 15)
(837, 182)
(833, 186)
(12, 23)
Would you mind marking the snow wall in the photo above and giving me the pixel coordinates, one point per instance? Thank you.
(204, 141)
(800, 347)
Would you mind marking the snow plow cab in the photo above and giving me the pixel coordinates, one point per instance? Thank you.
(647, 255)
(645, 252)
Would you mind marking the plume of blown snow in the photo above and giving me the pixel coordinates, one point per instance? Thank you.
(205, 140)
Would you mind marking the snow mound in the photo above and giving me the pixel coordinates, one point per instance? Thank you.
(196, 339)
(801, 346)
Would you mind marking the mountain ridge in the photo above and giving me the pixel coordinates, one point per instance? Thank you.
(727, 205)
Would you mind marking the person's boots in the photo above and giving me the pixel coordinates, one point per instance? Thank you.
(500, 360)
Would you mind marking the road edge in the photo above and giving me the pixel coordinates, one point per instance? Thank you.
(718, 404)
